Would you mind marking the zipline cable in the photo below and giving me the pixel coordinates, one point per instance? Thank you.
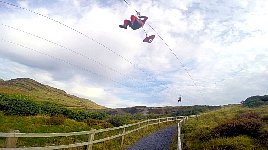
(179, 59)
(86, 36)
(75, 30)
(63, 61)
(137, 15)
(75, 52)
(64, 47)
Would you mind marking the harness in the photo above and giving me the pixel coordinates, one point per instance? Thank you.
(137, 24)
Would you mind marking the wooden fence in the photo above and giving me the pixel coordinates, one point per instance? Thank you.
(11, 138)
(180, 136)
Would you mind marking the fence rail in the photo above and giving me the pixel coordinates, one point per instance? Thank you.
(11, 138)
(180, 123)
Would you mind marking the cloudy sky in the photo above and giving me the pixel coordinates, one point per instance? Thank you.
(212, 52)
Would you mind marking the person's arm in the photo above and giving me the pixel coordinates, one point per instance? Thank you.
(144, 18)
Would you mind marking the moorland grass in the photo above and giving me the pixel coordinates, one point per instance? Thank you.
(228, 128)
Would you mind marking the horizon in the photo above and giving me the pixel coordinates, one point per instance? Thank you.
(128, 106)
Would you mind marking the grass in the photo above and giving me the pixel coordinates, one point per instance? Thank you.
(37, 124)
(42, 124)
(228, 128)
(44, 93)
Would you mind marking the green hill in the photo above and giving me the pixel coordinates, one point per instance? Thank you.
(232, 127)
(44, 93)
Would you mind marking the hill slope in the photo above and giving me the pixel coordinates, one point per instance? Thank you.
(234, 127)
(41, 92)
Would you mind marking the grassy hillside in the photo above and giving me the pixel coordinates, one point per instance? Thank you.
(45, 93)
(234, 127)
(60, 124)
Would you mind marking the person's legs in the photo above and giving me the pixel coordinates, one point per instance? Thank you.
(126, 23)
(132, 23)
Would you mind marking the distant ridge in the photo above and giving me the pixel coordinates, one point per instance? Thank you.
(41, 92)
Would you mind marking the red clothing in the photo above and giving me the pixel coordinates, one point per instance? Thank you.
(134, 22)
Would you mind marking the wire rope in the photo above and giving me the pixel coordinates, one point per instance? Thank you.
(63, 61)
(79, 32)
(68, 49)
(170, 49)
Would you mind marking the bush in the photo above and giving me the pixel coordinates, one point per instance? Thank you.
(245, 124)
(56, 120)
(24, 106)
(98, 115)
(265, 118)
(18, 105)
(203, 134)
(98, 123)
(118, 120)
(263, 138)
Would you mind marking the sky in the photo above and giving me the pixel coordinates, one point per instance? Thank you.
(211, 52)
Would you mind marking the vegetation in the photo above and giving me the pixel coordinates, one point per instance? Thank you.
(234, 127)
(255, 101)
(23, 113)
(47, 124)
(24, 106)
(29, 106)
(194, 110)
(45, 93)
(38, 124)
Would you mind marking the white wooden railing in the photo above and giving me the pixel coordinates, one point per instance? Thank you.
(11, 138)
(180, 123)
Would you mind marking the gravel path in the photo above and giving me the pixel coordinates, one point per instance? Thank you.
(159, 140)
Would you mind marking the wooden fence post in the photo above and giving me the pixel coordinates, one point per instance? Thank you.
(90, 139)
(11, 142)
(179, 136)
(123, 136)
(159, 122)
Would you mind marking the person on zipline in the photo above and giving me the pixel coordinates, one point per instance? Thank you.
(134, 22)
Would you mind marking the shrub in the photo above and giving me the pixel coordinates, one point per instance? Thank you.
(15, 105)
(98, 123)
(56, 120)
(118, 120)
(265, 118)
(24, 106)
(203, 134)
(98, 115)
(248, 115)
(263, 138)
(244, 124)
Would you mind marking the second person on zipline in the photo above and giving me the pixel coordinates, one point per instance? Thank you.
(134, 22)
